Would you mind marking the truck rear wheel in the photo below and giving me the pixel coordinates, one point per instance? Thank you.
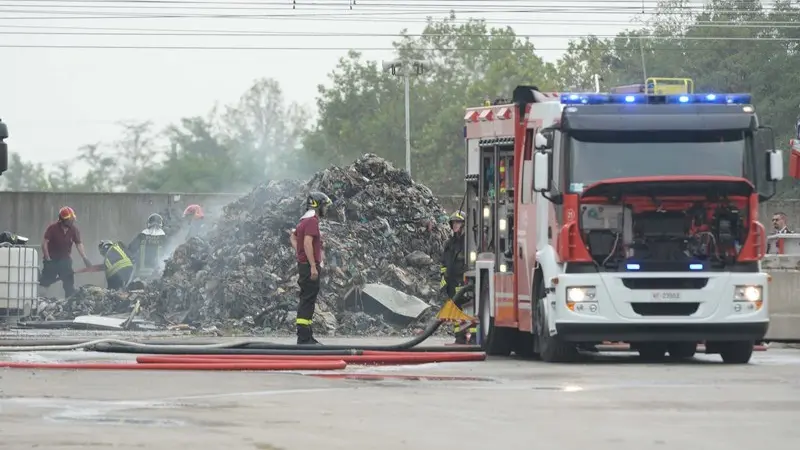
(549, 348)
(738, 352)
(495, 341)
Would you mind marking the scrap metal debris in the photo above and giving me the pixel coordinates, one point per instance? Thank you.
(383, 228)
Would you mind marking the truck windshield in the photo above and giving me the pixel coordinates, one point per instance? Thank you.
(599, 155)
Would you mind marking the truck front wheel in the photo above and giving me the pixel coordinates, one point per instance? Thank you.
(549, 348)
(495, 341)
(738, 352)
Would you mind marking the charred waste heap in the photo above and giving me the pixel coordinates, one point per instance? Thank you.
(383, 228)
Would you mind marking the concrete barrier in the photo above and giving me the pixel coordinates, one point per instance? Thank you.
(783, 264)
(115, 216)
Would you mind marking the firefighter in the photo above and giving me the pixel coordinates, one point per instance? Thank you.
(118, 266)
(147, 248)
(454, 265)
(193, 215)
(306, 239)
(57, 251)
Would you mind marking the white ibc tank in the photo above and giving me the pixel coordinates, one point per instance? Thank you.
(19, 278)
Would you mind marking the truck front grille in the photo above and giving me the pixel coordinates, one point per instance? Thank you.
(665, 283)
(665, 309)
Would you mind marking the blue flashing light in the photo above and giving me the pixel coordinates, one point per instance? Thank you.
(633, 266)
(695, 267)
(606, 99)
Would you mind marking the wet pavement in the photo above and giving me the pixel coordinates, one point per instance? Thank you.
(612, 401)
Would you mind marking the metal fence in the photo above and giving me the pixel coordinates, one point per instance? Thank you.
(19, 281)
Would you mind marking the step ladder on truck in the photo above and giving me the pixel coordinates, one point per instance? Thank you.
(591, 221)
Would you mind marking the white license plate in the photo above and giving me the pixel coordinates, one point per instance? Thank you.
(665, 296)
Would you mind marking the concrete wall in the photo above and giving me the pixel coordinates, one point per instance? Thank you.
(100, 216)
(122, 216)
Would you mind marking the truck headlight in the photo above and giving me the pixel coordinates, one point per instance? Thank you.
(747, 294)
(579, 294)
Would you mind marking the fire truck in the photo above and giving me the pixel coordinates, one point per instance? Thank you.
(3, 147)
(599, 217)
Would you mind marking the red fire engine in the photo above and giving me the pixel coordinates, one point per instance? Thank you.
(618, 217)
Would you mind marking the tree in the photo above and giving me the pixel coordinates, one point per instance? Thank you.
(24, 176)
(198, 161)
(266, 132)
(363, 108)
(729, 46)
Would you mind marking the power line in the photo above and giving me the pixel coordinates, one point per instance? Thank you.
(395, 35)
(365, 49)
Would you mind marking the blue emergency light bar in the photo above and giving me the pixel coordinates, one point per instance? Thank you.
(633, 267)
(621, 99)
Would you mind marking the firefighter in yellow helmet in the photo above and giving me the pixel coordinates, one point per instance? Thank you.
(453, 266)
(117, 264)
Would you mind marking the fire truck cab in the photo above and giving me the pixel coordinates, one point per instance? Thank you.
(618, 217)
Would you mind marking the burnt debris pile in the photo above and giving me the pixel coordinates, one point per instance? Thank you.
(382, 228)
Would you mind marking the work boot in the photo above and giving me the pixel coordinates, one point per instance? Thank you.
(473, 339)
(461, 338)
(305, 336)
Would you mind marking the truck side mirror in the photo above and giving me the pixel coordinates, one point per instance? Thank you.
(542, 142)
(775, 165)
(541, 172)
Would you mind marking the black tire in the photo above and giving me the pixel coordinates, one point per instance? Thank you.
(738, 352)
(549, 348)
(682, 350)
(523, 344)
(495, 341)
(652, 352)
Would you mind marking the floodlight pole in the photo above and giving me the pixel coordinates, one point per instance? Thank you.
(407, 69)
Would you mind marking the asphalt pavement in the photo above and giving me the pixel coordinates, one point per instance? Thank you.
(610, 401)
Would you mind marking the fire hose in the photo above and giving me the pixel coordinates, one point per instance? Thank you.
(250, 347)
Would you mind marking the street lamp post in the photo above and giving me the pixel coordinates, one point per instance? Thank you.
(407, 68)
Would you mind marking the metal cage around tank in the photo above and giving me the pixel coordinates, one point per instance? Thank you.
(19, 281)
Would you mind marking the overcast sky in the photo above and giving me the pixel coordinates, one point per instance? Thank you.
(57, 99)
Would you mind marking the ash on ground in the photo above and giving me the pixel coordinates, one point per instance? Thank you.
(242, 275)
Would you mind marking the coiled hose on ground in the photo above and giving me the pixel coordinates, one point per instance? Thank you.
(243, 347)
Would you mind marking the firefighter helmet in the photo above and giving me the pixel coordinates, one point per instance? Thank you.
(104, 246)
(155, 220)
(457, 216)
(319, 202)
(193, 211)
(66, 213)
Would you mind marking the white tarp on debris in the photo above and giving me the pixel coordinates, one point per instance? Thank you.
(402, 306)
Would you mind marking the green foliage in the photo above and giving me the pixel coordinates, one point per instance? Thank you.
(361, 108)
(362, 111)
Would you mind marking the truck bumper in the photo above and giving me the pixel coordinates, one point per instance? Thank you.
(658, 307)
(661, 332)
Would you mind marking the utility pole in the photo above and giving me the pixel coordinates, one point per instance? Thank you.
(407, 68)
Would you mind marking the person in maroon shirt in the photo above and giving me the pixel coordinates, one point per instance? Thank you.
(307, 242)
(57, 251)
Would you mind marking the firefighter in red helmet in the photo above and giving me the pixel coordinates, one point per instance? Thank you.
(57, 251)
(194, 217)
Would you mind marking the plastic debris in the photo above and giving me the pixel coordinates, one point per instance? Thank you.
(383, 228)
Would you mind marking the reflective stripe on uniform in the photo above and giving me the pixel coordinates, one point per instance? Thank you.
(116, 261)
(303, 322)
